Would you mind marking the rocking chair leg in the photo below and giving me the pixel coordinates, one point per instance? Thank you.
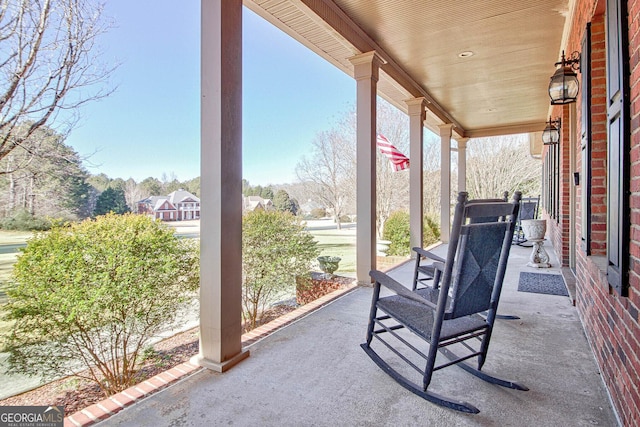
(483, 376)
(416, 272)
(372, 313)
(457, 405)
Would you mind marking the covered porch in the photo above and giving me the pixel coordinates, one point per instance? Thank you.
(458, 70)
(313, 372)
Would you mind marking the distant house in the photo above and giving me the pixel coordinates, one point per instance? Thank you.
(177, 206)
(256, 203)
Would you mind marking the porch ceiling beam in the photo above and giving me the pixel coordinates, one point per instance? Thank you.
(505, 130)
(339, 22)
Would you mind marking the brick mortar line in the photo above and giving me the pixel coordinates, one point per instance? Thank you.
(173, 377)
(99, 405)
(88, 413)
(141, 391)
(112, 398)
(73, 421)
(129, 396)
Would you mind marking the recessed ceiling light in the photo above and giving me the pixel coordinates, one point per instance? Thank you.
(465, 54)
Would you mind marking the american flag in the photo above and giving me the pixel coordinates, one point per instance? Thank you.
(398, 160)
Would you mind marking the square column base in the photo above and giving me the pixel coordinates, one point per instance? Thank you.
(200, 360)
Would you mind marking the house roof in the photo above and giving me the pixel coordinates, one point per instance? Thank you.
(157, 205)
(181, 196)
(251, 203)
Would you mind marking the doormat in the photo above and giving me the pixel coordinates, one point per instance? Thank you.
(539, 283)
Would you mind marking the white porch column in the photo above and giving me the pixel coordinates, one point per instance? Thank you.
(417, 115)
(366, 67)
(445, 181)
(462, 164)
(221, 175)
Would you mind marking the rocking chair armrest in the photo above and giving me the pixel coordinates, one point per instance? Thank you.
(428, 254)
(399, 289)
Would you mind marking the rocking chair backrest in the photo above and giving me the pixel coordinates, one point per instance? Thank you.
(479, 219)
(480, 250)
(529, 208)
(477, 255)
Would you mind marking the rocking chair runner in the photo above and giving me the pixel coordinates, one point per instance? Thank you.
(450, 314)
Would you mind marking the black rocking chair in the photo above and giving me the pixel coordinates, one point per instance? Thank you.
(448, 315)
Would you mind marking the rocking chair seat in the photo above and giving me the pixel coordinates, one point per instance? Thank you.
(413, 316)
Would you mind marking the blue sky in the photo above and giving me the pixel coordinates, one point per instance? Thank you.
(151, 124)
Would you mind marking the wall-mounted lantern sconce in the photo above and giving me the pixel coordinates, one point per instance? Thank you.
(563, 87)
(551, 134)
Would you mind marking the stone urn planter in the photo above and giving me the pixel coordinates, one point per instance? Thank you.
(534, 228)
(534, 231)
(382, 246)
(329, 264)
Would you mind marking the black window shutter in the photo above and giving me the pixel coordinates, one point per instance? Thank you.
(618, 146)
(585, 141)
(554, 181)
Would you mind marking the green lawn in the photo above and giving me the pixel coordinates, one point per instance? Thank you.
(12, 237)
(6, 265)
(340, 243)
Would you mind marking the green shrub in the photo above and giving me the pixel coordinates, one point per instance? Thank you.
(275, 250)
(318, 213)
(93, 294)
(24, 221)
(397, 231)
(430, 231)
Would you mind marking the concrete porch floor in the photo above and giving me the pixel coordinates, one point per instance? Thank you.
(313, 372)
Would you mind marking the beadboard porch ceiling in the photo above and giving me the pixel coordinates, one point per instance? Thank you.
(500, 89)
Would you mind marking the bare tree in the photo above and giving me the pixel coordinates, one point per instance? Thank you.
(327, 172)
(330, 174)
(431, 178)
(48, 64)
(496, 165)
(132, 194)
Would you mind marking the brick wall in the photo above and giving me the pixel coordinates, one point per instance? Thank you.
(611, 322)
